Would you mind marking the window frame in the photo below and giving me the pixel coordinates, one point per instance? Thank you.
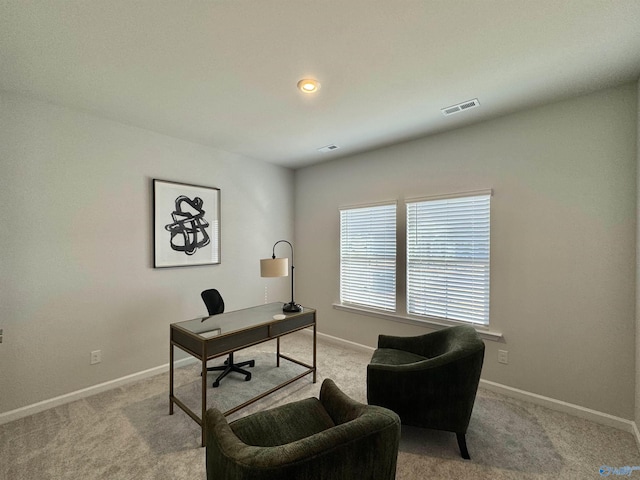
(459, 266)
(350, 298)
(401, 315)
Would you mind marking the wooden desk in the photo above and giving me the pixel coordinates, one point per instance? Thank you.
(210, 337)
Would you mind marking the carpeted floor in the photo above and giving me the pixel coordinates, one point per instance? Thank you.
(126, 433)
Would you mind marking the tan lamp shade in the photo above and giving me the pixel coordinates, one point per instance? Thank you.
(274, 267)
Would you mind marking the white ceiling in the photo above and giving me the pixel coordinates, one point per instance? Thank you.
(223, 72)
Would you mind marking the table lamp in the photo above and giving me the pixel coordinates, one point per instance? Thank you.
(278, 267)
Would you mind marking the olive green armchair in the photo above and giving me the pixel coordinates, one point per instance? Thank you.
(331, 438)
(430, 380)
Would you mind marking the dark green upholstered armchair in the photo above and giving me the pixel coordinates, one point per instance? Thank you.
(430, 380)
(332, 438)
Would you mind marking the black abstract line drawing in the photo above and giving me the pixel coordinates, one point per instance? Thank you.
(186, 224)
(188, 230)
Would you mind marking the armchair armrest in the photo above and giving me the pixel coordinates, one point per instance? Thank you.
(428, 345)
(340, 407)
(432, 344)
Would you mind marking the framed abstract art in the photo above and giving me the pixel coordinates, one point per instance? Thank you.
(186, 224)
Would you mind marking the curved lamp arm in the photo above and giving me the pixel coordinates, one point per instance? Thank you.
(274, 250)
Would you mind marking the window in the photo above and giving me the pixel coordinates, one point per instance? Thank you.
(368, 256)
(448, 258)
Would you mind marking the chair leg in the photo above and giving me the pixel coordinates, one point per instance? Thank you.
(229, 367)
(225, 372)
(462, 443)
(213, 369)
(251, 363)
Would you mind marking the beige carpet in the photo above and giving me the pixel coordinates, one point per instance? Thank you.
(126, 433)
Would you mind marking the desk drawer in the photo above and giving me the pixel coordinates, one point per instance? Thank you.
(292, 324)
(187, 342)
(237, 341)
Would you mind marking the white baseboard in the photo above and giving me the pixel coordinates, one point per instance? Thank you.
(343, 343)
(558, 405)
(636, 434)
(18, 413)
(561, 406)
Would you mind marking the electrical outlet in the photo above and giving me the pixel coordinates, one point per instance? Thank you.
(0, 335)
(503, 356)
(96, 357)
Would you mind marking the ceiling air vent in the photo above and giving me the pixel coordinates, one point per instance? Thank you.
(328, 148)
(460, 107)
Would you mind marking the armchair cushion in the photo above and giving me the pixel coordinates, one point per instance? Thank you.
(274, 427)
(391, 356)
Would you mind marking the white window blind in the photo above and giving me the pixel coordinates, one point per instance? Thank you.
(448, 258)
(368, 256)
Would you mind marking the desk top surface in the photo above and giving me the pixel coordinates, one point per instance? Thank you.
(229, 322)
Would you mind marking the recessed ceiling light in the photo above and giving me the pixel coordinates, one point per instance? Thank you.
(308, 85)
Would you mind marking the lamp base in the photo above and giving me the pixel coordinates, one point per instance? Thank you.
(291, 307)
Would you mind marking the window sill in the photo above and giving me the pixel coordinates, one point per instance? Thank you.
(484, 332)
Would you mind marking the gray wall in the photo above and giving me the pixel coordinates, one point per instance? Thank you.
(562, 245)
(76, 246)
(637, 371)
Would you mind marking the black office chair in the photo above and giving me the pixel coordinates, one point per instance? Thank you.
(215, 305)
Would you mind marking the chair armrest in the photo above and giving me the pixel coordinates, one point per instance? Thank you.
(447, 360)
(435, 343)
(340, 407)
(427, 345)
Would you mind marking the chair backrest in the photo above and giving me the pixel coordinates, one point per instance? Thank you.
(213, 300)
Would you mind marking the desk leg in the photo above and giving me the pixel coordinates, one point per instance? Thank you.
(278, 352)
(170, 378)
(204, 394)
(315, 369)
